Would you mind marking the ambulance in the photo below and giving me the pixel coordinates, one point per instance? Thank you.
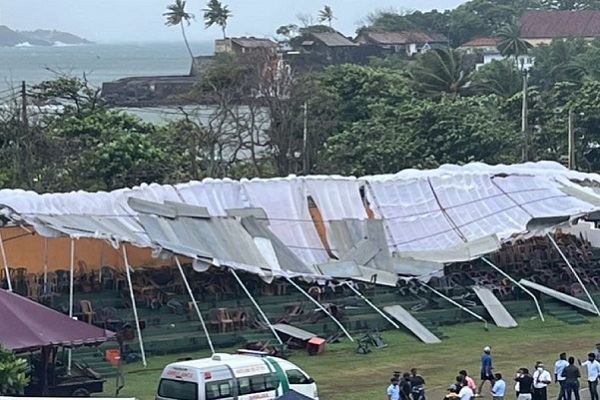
(247, 375)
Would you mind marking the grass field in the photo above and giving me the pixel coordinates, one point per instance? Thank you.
(341, 374)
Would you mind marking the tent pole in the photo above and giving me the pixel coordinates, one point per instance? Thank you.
(564, 257)
(523, 288)
(260, 311)
(191, 293)
(45, 263)
(5, 261)
(373, 306)
(71, 281)
(465, 309)
(134, 306)
(334, 319)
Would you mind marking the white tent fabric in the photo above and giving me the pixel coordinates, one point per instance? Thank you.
(286, 205)
(424, 212)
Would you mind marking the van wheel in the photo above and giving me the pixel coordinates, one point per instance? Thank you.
(81, 392)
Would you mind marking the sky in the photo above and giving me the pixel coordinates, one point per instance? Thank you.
(108, 21)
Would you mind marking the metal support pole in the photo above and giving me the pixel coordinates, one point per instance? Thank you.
(465, 309)
(334, 319)
(260, 311)
(5, 261)
(524, 118)
(564, 257)
(189, 290)
(45, 264)
(571, 140)
(134, 307)
(359, 294)
(523, 288)
(71, 282)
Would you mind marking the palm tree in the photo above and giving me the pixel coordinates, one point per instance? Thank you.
(216, 13)
(510, 43)
(498, 77)
(326, 15)
(176, 15)
(440, 71)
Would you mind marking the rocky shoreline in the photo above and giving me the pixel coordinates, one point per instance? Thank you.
(39, 37)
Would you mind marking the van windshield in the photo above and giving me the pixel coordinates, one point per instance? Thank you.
(177, 390)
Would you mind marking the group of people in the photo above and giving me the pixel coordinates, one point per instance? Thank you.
(407, 386)
(528, 385)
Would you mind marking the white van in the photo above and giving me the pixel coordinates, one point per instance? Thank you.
(245, 376)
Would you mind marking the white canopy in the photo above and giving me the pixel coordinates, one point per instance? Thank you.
(449, 214)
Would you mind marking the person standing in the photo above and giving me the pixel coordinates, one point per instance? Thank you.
(593, 372)
(466, 393)
(417, 385)
(559, 366)
(393, 391)
(405, 388)
(525, 384)
(487, 368)
(572, 375)
(597, 351)
(541, 380)
(470, 382)
(499, 388)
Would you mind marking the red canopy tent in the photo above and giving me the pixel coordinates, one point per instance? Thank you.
(27, 326)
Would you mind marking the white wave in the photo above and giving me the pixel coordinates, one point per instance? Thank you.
(61, 44)
(24, 44)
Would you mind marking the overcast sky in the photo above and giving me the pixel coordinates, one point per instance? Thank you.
(142, 20)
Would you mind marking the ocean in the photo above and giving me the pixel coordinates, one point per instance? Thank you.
(100, 62)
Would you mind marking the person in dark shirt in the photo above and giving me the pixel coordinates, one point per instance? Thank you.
(525, 384)
(571, 374)
(405, 387)
(416, 384)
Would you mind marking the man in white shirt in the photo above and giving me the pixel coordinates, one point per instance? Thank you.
(593, 372)
(559, 367)
(466, 393)
(541, 380)
(393, 391)
(499, 388)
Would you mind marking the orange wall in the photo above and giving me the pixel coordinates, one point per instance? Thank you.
(25, 250)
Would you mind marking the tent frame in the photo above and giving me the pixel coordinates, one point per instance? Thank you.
(373, 306)
(260, 311)
(465, 309)
(308, 296)
(195, 304)
(5, 262)
(134, 306)
(564, 257)
(523, 288)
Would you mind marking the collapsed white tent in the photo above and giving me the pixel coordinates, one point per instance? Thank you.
(443, 215)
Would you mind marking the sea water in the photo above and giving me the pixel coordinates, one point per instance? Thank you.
(99, 62)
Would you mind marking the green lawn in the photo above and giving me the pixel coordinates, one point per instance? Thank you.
(341, 374)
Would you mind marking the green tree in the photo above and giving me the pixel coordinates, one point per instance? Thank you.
(13, 378)
(424, 133)
(498, 77)
(216, 13)
(440, 71)
(510, 43)
(326, 15)
(177, 15)
(557, 62)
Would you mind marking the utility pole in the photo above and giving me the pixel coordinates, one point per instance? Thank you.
(24, 103)
(305, 140)
(572, 160)
(524, 118)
